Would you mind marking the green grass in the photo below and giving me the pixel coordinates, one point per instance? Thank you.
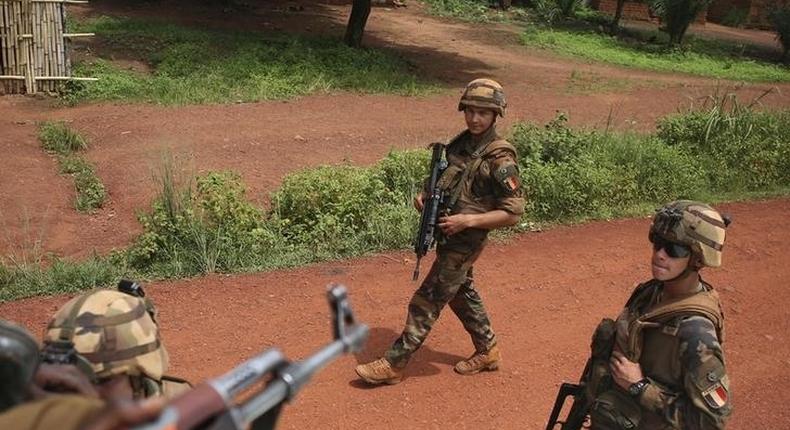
(699, 57)
(89, 188)
(190, 65)
(58, 138)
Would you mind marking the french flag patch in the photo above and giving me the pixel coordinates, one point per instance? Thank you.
(716, 396)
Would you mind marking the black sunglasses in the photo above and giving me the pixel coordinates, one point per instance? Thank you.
(674, 250)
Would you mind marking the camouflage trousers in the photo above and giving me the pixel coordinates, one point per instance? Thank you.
(448, 282)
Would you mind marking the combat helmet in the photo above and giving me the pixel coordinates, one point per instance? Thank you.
(484, 93)
(114, 333)
(694, 224)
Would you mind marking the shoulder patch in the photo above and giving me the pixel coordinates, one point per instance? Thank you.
(716, 396)
(507, 176)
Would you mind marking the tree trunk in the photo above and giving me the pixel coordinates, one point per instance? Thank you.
(360, 10)
(618, 13)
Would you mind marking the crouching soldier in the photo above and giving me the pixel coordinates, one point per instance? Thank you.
(114, 337)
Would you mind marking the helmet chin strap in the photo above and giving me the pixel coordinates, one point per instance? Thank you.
(692, 267)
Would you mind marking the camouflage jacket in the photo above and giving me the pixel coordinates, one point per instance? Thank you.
(482, 175)
(682, 357)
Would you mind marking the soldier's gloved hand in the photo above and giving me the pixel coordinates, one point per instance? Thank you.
(419, 202)
(62, 378)
(120, 414)
(624, 371)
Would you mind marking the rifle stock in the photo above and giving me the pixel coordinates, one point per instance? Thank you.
(429, 216)
(212, 405)
(577, 415)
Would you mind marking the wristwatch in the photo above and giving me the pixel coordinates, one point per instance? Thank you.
(638, 387)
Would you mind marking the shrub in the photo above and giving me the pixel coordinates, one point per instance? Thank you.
(739, 147)
(57, 137)
(89, 188)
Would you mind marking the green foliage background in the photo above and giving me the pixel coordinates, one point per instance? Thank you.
(207, 224)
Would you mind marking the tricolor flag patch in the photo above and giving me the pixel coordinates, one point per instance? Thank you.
(716, 396)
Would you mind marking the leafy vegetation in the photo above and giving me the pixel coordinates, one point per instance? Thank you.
(190, 65)
(58, 138)
(699, 57)
(721, 150)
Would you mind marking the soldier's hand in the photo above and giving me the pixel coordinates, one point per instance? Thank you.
(419, 202)
(624, 371)
(453, 224)
(120, 414)
(61, 378)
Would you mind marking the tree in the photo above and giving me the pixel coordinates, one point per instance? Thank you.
(360, 10)
(677, 15)
(781, 20)
(618, 13)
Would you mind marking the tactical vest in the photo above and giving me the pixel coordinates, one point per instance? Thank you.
(611, 407)
(666, 316)
(457, 180)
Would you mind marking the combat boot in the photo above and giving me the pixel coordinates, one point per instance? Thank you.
(479, 361)
(379, 372)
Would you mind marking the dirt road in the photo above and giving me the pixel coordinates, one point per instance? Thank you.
(545, 292)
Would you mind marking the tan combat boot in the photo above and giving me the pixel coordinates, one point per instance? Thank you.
(479, 361)
(379, 372)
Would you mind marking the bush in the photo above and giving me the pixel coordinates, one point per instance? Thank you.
(739, 148)
(57, 137)
(202, 229)
(89, 188)
(60, 139)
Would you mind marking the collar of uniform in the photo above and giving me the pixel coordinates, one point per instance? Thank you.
(475, 142)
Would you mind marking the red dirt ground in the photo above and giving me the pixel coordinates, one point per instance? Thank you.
(264, 141)
(545, 292)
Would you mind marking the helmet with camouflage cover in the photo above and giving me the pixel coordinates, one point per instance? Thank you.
(484, 93)
(114, 332)
(694, 224)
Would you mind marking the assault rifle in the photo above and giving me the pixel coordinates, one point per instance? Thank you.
(426, 235)
(213, 405)
(577, 415)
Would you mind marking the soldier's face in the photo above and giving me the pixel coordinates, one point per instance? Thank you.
(665, 267)
(478, 120)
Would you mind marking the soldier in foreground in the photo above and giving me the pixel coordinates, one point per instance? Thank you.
(661, 365)
(482, 188)
(114, 338)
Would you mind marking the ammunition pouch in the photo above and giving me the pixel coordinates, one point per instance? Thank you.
(599, 379)
(615, 410)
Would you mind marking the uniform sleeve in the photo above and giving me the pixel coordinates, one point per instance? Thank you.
(507, 182)
(704, 403)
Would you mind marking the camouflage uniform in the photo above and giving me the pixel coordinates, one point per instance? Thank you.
(482, 176)
(676, 341)
(114, 333)
(62, 412)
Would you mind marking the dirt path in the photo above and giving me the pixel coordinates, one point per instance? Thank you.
(264, 141)
(545, 292)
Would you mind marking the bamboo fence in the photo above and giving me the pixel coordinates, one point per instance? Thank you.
(34, 46)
